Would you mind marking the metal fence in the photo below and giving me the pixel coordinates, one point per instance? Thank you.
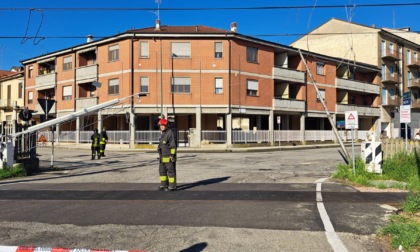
(210, 136)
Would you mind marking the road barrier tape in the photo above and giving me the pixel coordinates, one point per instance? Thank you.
(50, 249)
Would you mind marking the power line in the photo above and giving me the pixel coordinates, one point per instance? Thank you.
(213, 8)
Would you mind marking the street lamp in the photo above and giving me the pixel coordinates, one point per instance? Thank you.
(173, 55)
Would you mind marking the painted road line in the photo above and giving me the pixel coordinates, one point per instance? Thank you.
(332, 237)
(50, 249)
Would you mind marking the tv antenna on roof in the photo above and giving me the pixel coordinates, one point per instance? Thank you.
(158, 8)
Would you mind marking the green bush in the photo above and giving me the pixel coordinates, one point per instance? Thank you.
(9, 172)
(412, 203)
(401, 166)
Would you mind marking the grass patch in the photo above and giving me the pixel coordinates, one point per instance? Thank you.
(400, 171)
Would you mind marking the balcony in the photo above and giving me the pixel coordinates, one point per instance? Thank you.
(413, 63)
(391, 54)
(388, 102)
(86, 74)
(288, 105)
(45, 81)
(357, 86)
(86, 102)
(414, 83)
(391, 78)
(361, 110)
(6, 104)
(291, 75)
(415, 104)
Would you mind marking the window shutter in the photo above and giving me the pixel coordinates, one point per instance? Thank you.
(252, 85)
(67, 91)
(144, 49)
(219, 83)
(181, 49)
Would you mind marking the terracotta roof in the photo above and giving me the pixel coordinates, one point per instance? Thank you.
(6, 73)
(180, 29)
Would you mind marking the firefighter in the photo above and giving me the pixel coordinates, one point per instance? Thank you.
(167, 157)
(103, 142)
(95, 144)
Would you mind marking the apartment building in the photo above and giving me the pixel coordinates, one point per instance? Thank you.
(11, 96)
(203, 78)
(396, 52)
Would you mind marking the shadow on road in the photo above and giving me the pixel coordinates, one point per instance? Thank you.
(201, 183)
(196, 247)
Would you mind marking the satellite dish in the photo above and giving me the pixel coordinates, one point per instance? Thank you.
(25, 115)
(96, 84)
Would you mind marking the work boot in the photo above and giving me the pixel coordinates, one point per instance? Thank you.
(99, 156)
(92, 158)
(163, 188)
(172, 188)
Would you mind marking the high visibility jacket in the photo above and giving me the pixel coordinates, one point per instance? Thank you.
(103, 141)
(95, 139)
(167, 146)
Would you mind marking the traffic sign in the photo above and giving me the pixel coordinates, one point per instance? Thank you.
(45, 104)
(407, 98)
(405, 114)
(352, 120)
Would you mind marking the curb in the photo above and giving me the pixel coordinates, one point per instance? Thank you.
(50, 249)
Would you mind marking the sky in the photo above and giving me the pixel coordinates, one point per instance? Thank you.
(30, 28)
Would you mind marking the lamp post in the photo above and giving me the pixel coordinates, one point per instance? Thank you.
(173, 55)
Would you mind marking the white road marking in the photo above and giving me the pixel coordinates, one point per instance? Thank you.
(332, 237)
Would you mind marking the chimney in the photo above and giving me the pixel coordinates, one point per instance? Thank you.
(157, 25)
(233, 27)
(89, 38)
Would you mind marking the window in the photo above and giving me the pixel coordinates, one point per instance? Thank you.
(320, 68)
(30, 97)
(114, 86)
(144, 84)
(20, 91)
(144, 49)
(30, 71)
(181, 85)
(408, 57)
(251, 87)
(218, 50)
(252, 54)
(113, 53)
(67, 63)
(218, 85)
(322, 91)
(67, 92)
(408, 78)
(181, 49)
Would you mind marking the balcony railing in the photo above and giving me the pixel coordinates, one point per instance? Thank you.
(361, 110)
(391, 54)
(289, 105)
(357, 86)
(389, 78)
(286, 74)
(6, 103)
(86, 102)
(86, 74)
(413, 83)
(413, 63)
(391, 102)
(45, 81)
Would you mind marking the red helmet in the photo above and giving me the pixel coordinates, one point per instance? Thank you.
(163, 121)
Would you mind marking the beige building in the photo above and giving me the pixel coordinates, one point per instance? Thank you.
(11, 94)
(396, 52)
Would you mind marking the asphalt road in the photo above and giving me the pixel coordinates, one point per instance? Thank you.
(242, 201)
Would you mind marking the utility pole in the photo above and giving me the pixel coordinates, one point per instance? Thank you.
(326, 109)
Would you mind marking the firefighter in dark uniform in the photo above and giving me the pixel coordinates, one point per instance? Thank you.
(102, 142)
(167, 157)
(95, 144)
